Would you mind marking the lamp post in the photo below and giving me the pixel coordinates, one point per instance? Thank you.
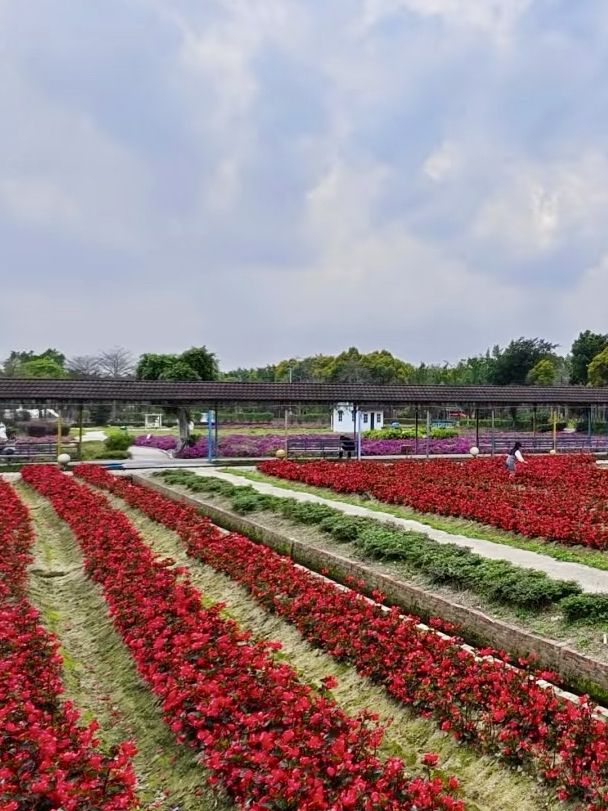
(287, 414)
(210, 422)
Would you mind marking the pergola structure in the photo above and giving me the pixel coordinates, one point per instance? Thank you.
(212, 394)
(172, 394)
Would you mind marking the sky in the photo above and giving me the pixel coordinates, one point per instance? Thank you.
(280, 178)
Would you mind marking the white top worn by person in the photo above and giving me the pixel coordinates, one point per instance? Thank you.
(514, 455)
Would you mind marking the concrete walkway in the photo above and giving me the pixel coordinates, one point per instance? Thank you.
(590, 580)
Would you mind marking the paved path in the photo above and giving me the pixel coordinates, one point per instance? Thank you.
(590, 580)
(94, 436)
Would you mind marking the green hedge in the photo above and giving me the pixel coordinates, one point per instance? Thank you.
(118, 441)
(589, 607)
(458, 567)
(410, 433)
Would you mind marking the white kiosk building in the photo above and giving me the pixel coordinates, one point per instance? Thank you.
(342, 421)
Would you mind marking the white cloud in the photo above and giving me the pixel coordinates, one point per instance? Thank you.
(383, 272)
(538, 207)
(322, 181)
(498, 17)
(38, 200)
(60, 170)
(443, 162)
(222, 191)
(223, 51)
(587, 295)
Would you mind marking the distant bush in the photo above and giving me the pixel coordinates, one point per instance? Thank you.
(304, 512)
(547, 427)
(392, 433)
(111, 455)
(597, 427)
(36, 428)
(410, 433)
(118, 441)
(443, 433)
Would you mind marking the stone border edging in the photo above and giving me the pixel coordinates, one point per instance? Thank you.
(477, 628)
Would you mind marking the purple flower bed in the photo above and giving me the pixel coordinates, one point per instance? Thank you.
(249, 445)
(163, 443)
(244, 445)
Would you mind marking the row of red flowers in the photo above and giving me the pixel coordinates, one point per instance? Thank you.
(500, 709)
(562, 498)
(269, 739)
(47, 760)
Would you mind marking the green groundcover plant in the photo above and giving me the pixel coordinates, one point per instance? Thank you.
(447, 564)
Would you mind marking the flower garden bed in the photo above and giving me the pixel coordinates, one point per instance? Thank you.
(256, 445)
(48, 760)
(563, 499)
(235, 445)
(479, 700)
(269, 739)
(499, 582)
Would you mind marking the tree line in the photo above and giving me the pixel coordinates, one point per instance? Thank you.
(522, 361)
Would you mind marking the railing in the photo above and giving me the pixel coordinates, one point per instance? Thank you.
(543, 443)
(22, 452)
(314, 446)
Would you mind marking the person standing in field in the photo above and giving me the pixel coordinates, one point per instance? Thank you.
(513, 457)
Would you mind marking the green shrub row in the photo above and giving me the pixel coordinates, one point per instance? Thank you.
(447, 564)
(118, 441)
(592, 608)
(410, 433)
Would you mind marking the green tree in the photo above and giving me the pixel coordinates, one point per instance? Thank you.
(196, 363)
(152, 366)
(598, 369)
(543, 373)
(584, 349)
(13, 365)
(180, 370)
(201, 361)
(385, 369)
(42, 367)
(513, 363)
(263, 374)
(349, 367)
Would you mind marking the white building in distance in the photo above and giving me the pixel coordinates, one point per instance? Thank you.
(342, 421)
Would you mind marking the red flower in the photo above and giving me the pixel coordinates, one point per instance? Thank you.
(267, 737)
(479, 699)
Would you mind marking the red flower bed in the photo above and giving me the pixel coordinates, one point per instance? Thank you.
(47, 761)
(562, 498)
(271, 741)
(499, 709)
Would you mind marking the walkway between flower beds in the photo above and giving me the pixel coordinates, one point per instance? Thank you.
(590, 580)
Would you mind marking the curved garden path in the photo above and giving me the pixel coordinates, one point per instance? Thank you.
(590, 580)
